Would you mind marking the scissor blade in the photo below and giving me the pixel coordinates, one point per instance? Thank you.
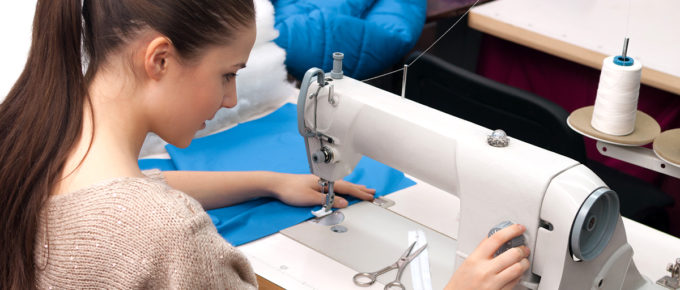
(417, 252)
(408, 251)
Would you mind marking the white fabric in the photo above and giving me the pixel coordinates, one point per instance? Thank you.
(420, 266)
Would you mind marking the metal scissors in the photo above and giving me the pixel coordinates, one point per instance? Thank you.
(364, 279)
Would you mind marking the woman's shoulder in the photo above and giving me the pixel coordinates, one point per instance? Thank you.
(128, 231)
(148, 198)
(128, 208)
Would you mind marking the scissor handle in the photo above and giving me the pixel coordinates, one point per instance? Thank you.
(362, 282)
(395, 284)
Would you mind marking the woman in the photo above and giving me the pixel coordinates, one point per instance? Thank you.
(78, 213)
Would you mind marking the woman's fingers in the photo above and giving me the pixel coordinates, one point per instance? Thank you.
(312, 197)
(511, 285)
(482, 271)
(355, 190)
(512, 273)
(344, 187)
(340, 202)
(316, 196)
(491, 244)
(509, 257)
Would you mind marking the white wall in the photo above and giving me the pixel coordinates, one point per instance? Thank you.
(16, 19)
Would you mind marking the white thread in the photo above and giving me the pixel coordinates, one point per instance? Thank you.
(420, 266)
(628, 18)
(617, 98)
(428, 48)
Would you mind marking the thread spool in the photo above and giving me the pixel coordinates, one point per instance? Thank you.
(617, 96)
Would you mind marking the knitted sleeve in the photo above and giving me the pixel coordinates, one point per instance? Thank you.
(202, 261)
(133, 233)
(155, 175)
(197, 257)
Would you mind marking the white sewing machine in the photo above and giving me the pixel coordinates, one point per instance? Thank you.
(574, 230)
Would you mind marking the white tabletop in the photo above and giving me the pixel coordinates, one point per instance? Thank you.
(586, 31)
(292, 265)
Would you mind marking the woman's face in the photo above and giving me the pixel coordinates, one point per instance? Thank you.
(194, 92)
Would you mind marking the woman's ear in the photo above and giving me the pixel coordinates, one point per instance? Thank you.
(156, 57)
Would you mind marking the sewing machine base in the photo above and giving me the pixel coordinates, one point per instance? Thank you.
(374, 237)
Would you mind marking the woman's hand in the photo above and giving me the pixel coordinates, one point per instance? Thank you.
(482, 271)
(304, 190)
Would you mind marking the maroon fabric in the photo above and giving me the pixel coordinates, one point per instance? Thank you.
(573, 86)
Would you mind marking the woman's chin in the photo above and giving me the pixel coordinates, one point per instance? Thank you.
(181, 143)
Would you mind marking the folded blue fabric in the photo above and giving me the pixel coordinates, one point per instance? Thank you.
(152, 163)
(271, 143)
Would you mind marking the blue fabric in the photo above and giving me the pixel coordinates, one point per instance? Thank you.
(373, 34)
(271, 143)
(161, 164)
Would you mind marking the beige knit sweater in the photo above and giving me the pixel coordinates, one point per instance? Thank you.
(131, 233)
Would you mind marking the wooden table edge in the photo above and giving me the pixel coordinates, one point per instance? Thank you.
(563, 49)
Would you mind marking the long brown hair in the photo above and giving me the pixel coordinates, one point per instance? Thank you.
(41, 117)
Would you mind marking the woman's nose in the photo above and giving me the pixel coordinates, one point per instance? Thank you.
(230, 99)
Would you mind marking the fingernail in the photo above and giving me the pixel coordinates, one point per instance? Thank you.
(521, 227)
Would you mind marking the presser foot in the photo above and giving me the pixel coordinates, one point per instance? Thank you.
(326, 209)
(322, 212)
(669, 282)
(672, 281)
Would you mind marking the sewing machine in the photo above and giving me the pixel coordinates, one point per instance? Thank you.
(574, 229)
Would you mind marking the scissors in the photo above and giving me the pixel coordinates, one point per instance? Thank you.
(364, 279)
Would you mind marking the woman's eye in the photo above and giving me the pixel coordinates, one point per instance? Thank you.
(229, 76)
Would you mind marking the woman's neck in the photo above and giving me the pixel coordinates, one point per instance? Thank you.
(112, 135)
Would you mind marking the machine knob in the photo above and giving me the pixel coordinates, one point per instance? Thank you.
(324, 155)
(515, 242)
(498, 138)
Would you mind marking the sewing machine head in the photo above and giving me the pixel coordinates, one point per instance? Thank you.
(574, 230)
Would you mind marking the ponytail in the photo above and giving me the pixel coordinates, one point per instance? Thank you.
(40, 121)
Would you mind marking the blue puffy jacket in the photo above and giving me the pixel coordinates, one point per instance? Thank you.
(373, 34)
